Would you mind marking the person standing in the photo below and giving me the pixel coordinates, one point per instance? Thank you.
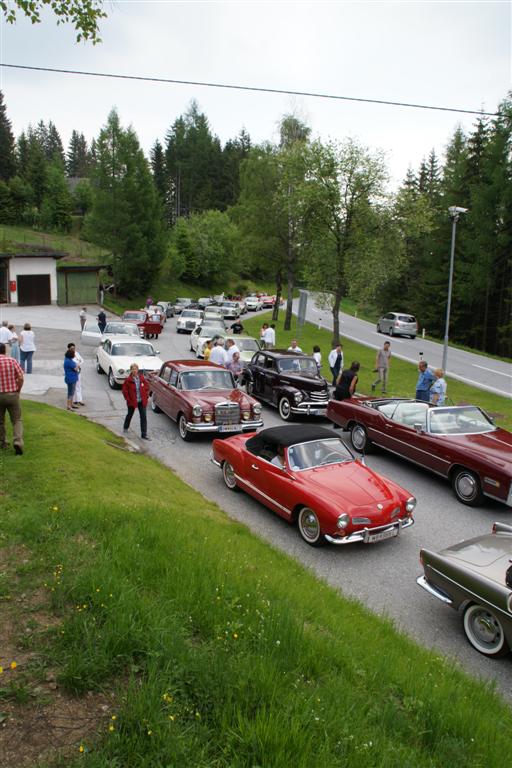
(218, 354)
(347, 382)
(237, 327)
(317, 355)
(135, 392)
(83, 317)
(207, 349)
(335, 360)
(294, 347)
(425, 381)
(382, 366)
(27, 347)
(71, 373)
(438, 388)
(235, 366)
(77, 357)
(15, 344)
(263, 331)
(5, 333)
(11, 382)
(231, 349)
(269, 337)
(102, 320)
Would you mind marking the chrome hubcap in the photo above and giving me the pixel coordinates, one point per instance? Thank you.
(466, 486)
(229, 475)
(309, 524)
(486, 629)
(285, 408)
(358, 438)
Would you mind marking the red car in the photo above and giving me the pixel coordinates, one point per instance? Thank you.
(460, 443)
(202, 397)
(150, 325)
(309, 476)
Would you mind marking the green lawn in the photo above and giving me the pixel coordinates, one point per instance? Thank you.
(403, 375)
(210, 649)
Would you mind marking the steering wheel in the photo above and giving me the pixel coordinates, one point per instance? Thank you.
(327, 459)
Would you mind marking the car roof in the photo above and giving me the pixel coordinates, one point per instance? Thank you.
(289, 435)
(125, 338)
(283, 353)
(189, 365)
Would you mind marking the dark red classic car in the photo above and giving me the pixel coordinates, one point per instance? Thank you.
(202, 397)
(460, 443)
(150, 325)
(310, 477)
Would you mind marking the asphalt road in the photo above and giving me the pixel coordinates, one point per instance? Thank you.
(381, 576)
(478, 370)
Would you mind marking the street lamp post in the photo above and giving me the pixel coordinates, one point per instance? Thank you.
(454, 212)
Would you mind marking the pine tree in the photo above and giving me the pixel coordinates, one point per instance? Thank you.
(77, 160)
(57, 204)
(54, 149)
(157, 158)
(7, 155)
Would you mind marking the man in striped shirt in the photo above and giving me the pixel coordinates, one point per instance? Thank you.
(11, 382)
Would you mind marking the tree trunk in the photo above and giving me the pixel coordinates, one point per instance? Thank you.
(336, 304)
(279, 291)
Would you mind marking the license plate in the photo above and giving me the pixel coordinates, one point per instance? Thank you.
(230, 428)
(389, 534)
(317, 411)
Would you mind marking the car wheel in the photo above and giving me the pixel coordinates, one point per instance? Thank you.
(466, 487)
(391, 332)
(285, 409)
(111, 381)
(99, 369)
(154, 406)
(228, 474)
(309, 527)
(378, 328)
(359, 438)
(182, 428)
(485, 631)
(413, 337)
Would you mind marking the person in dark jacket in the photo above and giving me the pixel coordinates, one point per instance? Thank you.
(71, 373)
(136, 391)
(102, 320)
(347, 382)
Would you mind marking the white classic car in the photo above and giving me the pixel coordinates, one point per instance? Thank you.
(92, 336)
(253, 303)
(117, 353)
(207, 330)
(188, 320)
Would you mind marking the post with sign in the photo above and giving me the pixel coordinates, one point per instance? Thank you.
(301, 312)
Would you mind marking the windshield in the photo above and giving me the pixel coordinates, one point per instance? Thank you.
(132, 350)
(208, 331)
(247, 345)
(464, 420)
(191, 313)
(207, 380)
(115, 328)
(138, 316)
(183, 301)
(298, 365)
(318, 453)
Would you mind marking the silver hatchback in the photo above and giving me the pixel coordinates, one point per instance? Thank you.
(398, 324)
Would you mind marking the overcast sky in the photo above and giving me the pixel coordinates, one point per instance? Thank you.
(451, 54)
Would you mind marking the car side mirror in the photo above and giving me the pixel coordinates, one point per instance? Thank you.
(157, 351)
(418, 428)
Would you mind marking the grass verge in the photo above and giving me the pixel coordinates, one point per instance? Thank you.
(402, 377)
(200, 644)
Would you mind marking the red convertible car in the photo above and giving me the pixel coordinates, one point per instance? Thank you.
(309, 476)
(460, 443)
(202, 397)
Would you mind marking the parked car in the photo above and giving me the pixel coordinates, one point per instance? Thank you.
(267, 302)
(398, 324)
(214, 313)
(230, 310)
(180, 304)
(242, 306)
(460, 443)
(166, 307)
(202, 397)
(202, 334)
(188, 320)
(148, 327)
(475, 578)
(309, 477)
(204, 302)
(288, 381)
(92, 336)
(247, 345)
(116, 354)
(253, 303)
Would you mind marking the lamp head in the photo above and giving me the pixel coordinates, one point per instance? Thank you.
(455, 210)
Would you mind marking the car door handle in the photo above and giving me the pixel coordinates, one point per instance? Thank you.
(254, 466)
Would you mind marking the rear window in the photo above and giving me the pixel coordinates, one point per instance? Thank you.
(407, 318)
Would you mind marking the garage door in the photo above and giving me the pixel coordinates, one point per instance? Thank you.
(33, 290)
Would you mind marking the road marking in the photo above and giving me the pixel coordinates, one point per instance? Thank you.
(492, 370)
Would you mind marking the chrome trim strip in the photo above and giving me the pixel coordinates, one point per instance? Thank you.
(191, 427)
(214, 460)
(479, 598)
(264, 495)
(422, 582)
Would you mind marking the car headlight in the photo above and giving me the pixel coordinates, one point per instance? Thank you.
(410, 504)
(343, 520)
(298, 397)
(208, 416)
(256, 408)
(197, 410)
(121, 372)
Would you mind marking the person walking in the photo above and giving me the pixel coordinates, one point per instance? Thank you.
(425, 381)
(11, 382)
(382, 366)
(335, 361)
(27, 347)
(83, 317)
(102, 320)
(135, 391)
(15, 344)
(438, 388)
(71, 373)
(347, 382)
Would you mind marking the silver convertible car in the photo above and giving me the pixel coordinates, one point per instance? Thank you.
(475, 578)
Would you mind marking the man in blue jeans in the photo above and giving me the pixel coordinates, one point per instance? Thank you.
(425, 381)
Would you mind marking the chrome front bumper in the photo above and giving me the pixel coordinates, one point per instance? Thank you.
(365, 534)
(310, 409)
(243, 426)
(422, 582)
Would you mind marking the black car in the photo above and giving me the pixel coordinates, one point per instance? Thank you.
(289, 381)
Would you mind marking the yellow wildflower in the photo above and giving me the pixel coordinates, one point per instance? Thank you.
(13, 665)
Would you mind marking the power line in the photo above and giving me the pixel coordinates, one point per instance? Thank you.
(251, 88)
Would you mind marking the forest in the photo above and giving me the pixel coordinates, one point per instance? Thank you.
(299, 212)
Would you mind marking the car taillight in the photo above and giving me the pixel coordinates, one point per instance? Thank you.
(421, 558)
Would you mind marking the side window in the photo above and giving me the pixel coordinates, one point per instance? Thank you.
(390, 316)
(166, 374)
(259, 360)
(107, 346)
(270, 364)
(174, 378)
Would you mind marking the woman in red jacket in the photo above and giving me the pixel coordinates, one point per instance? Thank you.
(135, 391)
